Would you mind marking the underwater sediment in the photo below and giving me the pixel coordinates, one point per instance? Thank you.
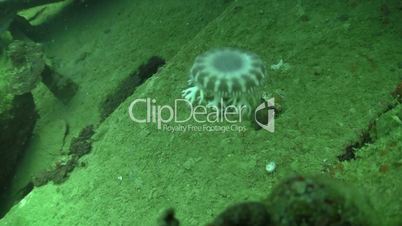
(327, 78)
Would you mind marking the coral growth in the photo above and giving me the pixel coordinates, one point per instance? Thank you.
(27, 64)
(79, 147)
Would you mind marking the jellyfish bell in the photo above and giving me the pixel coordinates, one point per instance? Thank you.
(226, 75)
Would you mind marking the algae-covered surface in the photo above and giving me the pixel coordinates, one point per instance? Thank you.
(343, 60)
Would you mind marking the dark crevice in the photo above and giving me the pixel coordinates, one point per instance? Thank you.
(129, 84)
(25, 190)
(62, 87)
(364, 139)
(368, 135)
(16, 127)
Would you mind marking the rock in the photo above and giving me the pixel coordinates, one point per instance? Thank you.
(243, 214)
(309, 200)
(298, 200)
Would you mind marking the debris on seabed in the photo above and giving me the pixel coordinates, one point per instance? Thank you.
(270, 167)
(281, 65)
